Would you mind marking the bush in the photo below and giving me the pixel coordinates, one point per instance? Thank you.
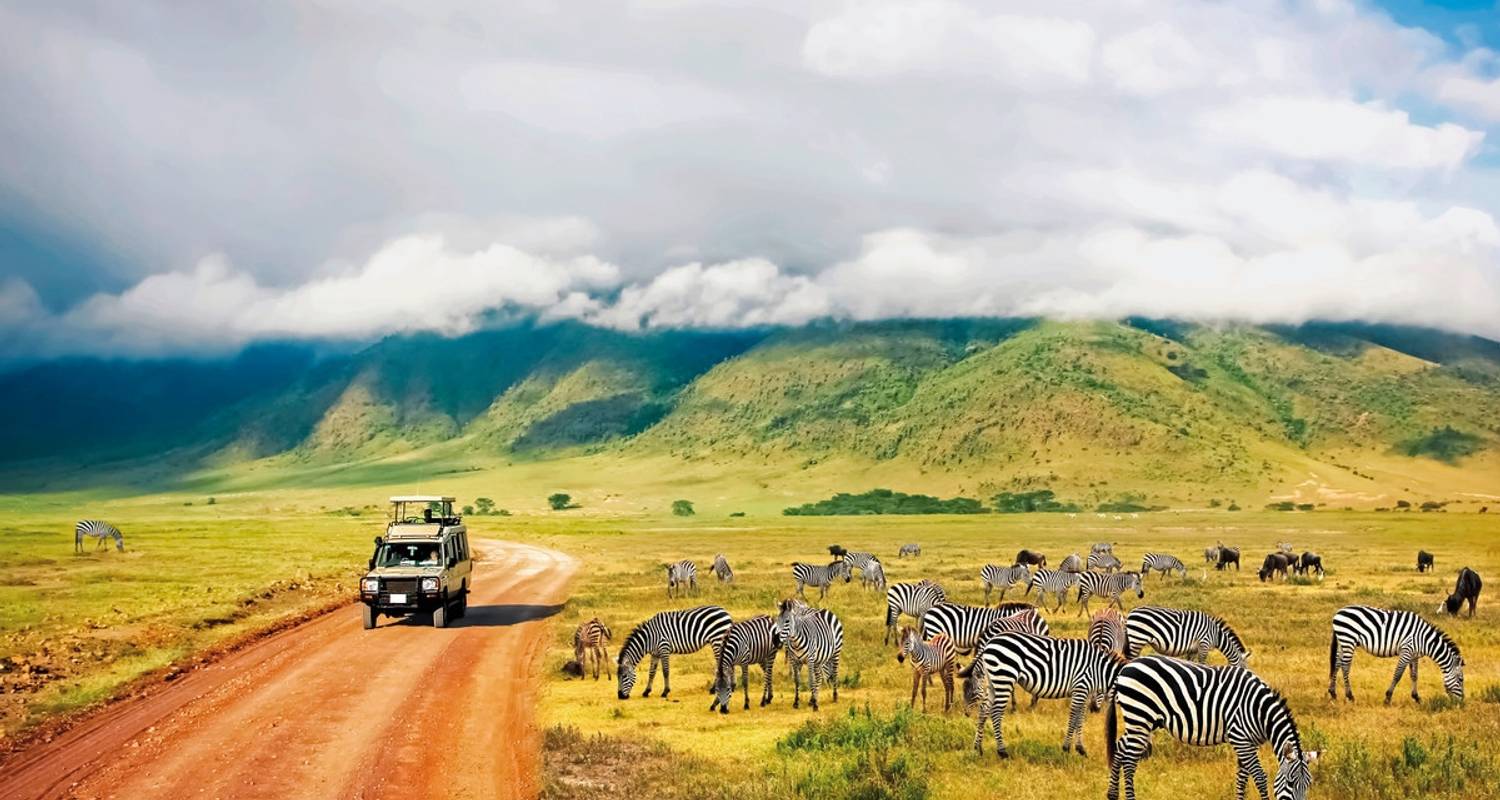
(1305, 506)
(737, 514)
(560, 501)
(1444, 444)
(211, 501)
(682, 508)
(484, 505)
(1434, 769)
(468, 511)
(861, 754)
(1233, 506)
(1283, 505)
(1029, 502)
(884, 501)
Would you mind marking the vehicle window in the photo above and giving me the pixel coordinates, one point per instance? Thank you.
(463, 546)
(410, 554)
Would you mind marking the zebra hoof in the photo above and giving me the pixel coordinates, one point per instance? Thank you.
(1004, 754)
(646, 693)
(724, 710)
(1415, 698)
(1079, 749)
(1387, 699)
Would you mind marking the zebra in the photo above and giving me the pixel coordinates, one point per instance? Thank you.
(1101, 547)
(1107, 630)
(589, 642)
(1103, 561)
(1046, 667)
(995, 576)
(1025, 620)
(965, 625)
(1205, 706)
(1182, 633)
(98, 529)
(1073, 563)
(936, 656)
(750, 641)
(873, 576)
(1211, 554)
(815, 638)
(913, 549)
(859, 561)
(664, 634)
(911, 599)
(1163, 563)
(721, 569)
(682, 578)
(819, 575)
(1052, 581)
(1108, 585)
(1384, 633)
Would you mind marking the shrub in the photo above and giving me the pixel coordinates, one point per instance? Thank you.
(468, 511)
(1233, 506)
(1282, 505)
(885, 501)
(484, 505)
(682, 508)
(1403, 504)
(560, 501)
(1028, 502)
(211, 501)
(1214, 502)
(1305, 506)
(1444, 444)
(737, 514)
(1434, 768)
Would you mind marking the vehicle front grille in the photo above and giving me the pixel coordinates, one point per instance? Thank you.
(399, 586)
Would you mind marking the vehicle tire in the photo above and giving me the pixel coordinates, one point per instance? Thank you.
(463, 606)
(440, 617)
(369, 615)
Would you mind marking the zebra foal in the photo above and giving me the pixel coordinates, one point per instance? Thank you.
(590, 641)
(682, 578)
(936, 656)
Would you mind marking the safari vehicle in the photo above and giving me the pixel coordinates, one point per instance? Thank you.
(421, 565)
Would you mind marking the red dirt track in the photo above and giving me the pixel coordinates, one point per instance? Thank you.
(329, 710)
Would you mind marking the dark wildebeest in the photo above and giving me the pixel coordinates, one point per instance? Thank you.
(1275, 564)
(1465, 591)
(1227, 556)
(1424, 561)
(1031, 559)
(836, 551)
(1309, 561)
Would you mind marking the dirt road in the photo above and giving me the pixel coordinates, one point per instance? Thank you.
(329, 710)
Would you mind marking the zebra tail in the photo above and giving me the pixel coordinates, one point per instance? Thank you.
(1111, 730)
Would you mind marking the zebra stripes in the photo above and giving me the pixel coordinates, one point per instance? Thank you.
(589, 642)
(1073, 563)
(1182, 633)
(860, 561)
(1386, 633)
(750, 641)
(1163, 563)
(1109, 586)
(819, 575)
(1107, 630)
(911, 599)
(98, 529)
(1054, 582)
(682, 578)
(873, 576)
(912, 549)
(1046, 667)
(936, 656)
(965, 625)
(995, 576)
(721, 569)
(1025, 620)
(665, 634)
(1204, 706)
(1104, 561)
(814, 637)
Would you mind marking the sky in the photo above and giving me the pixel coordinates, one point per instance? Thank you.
(188, 179)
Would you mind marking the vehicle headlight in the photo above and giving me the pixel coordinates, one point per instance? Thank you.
(429, 584)
(371, 585)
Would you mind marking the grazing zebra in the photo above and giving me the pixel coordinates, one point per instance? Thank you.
(682, 578)
(995, 576)
(1107, 630)
(667, 633)
(1031, 559)
(1026, 620)
(1054, 582)
(1163, 563)
(912, 550)
(1073, 563)
(99, 530)
(1101, 547)
(1465, 590)
(859, 561)
(1384, 633)
(1204, 706)
(911, 599)
(936, 656)
(721, 569)
(873, 577)
(1048, 668)
(749, 641)
(965, 625)
(1103, 561)
(1109, 586)
(816, 638)
(1425, 560)
(819, 575)
(589, 642)
(1181, 633)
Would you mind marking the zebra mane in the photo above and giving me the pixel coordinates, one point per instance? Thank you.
(637, 634)
(1445, 639)
(1279, 704)
(1227, 630)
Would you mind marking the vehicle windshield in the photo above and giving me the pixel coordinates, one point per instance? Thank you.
(409, 554)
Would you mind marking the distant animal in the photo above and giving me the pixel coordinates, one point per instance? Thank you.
(1227, 556)
(1101, 547)
(936, 656)
(1466, 590)
(1274, 565)
(836, 551)
(873, 576)
(1386, 633)
(814, 638)
(721, 569)
(912, 550)
(1031, 559)
(1210, 555)
(665, 634)
(859, 561)
(1054, 582)
(751, 641)
(819, 575)
(1163, 563)
(1182, 634)
(1046, 667)
(1109, 586)
(995, 576)
(590, 642)
(1107, 630)
(572, 668)
(682, 578)
(1073, 563)
(1285, 547)
(964, 624)
(1104, 561)
(99, 530)
(911, 599)
(1424, 561)
(1309, 562)
(1023, 620)
(1204, 706)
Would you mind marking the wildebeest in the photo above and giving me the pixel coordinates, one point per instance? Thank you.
(1031, 559)
(1309, 561)
(1275, 564)
(836, 551)
(1227, 556)
(1466, 590)
(1424, 561)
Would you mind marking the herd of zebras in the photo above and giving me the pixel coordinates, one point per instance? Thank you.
(1012, 648)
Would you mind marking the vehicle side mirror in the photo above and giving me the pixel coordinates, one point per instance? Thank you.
(379, 540)
(372, 563)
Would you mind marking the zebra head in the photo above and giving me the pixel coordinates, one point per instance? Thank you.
(1293, 776)
(627, 660)
(908, 640)
(1138, 585)
(786, 620)
(723, 687)
(842, 569)
(626, 675)
(1231, 646)
(1453, 677)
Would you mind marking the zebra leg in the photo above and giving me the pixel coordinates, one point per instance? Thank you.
(651, 676)
(800, 586)
(1075, 720)
(745, 680)
(1002, 694)
(666, 676)
(833, 675)
(1413, 669)
(928, 679)
(796, 684)
(1401, 664)
(947, 688)
(814, 680)
(768, 668)
(1132, 748)
(1247, 766)
(1346, 660)
(984, 713)
(916, 682)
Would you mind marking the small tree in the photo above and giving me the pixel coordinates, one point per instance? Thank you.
(560, 501)
(468, 511)
(682, 508)
(484, 504)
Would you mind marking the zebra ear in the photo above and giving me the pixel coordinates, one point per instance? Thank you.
(1288, 752)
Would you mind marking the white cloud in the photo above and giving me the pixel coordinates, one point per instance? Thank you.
(737, 294)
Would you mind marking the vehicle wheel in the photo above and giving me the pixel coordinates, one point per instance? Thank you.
(463, 606)
(369, 615)
(440, 617)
